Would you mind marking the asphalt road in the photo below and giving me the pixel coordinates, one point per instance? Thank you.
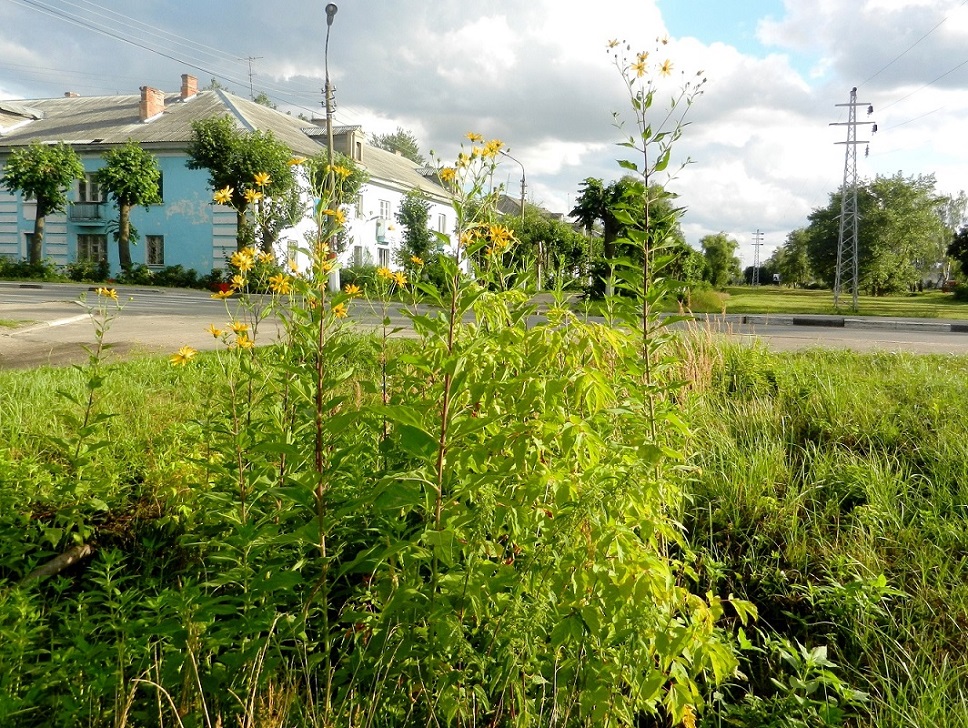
(54, 328)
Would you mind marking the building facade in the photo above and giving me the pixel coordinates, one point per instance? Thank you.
(187, 228)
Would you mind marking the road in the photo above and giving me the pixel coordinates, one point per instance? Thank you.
(53, 327)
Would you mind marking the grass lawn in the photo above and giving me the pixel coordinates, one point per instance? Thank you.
(771, 299)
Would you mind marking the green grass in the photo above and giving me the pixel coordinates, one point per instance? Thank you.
(770, 299)
(12, 324)
(829, 488)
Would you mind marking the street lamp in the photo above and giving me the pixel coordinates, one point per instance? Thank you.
(524, 186)
(328, 91)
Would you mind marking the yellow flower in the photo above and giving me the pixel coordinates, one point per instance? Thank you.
(239, 282)
(384, 273)
(340, 310)
(252, 196)
(639, 68)
(293, 265)
(244, 342)
(183, 356)
(351, 289)
(339, 217)
(339, 170)
(262, 179)
(500, 234)
(399, 278)
(216, 332)
(688, 717)
(664, 40)
(238, 327)
(642, 57)
(492, 148)
(416, 260)
(666, 68)
(242, 260)
(265, 257)
(223, 196)
(296, 161)
(448, 174)
(280, 284)
(474, 138)
(222, 295)
(463, 160)
(107, 292)
(612, 43)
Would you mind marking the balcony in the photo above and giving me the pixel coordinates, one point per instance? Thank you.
(87, 213)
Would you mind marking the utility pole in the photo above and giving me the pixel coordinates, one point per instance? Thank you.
(251, 87)
(847, 240)
(757, 244)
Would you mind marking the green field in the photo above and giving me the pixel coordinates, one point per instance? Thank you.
(828, 489)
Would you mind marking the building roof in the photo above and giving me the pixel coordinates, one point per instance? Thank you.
(92, 122)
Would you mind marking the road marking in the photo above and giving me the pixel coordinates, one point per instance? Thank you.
(49, 324)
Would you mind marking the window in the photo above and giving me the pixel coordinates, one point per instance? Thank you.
(155, 248)
(88, 190)
(161, 187)
(384, 257)
(92, 248)
(385, 209)
(357, 255)
(441, 223)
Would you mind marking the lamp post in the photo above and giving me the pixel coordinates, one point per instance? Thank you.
(524, 187)
(328, 91)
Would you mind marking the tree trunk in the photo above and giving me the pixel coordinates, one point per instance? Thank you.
(124, 236)
(35, 252)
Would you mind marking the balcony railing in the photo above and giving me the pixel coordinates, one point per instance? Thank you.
(87, 212)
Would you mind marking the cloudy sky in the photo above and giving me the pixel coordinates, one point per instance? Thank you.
(537, 75)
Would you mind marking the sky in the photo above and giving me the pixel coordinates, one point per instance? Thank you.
(538, 75)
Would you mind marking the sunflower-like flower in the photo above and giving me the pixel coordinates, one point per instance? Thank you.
(244, 342)
(416, 260)
(239, 282)
(399, 278)
(448, 174)
(639, 68)
(613, 43)
(296, 161)
(253, 196)
(223, 196)
(222, 295)
(215, 331)
(339, 170)
(107, 293)
(492, 148)
(262, 179)
(242, 260)
(340, 310)
(183, 356)
(238, 328)
(280, 283)
(384, 273)
(666, 68)
(474, 138)
(351, 289)
(339, 217)
(264, 257)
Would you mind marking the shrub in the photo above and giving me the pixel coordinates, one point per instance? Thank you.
(22, 269)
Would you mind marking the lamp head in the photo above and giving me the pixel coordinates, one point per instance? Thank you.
(330, 13)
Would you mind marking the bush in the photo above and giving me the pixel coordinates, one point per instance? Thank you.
(46, 270)
(140, 275)
(176, 276)
(363, 276)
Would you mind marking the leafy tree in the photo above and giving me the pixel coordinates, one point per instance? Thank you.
(402, 141)
(792, 260)
(722, 265)
(44, 172)
(130, 177)
(958, 248)
(901, 235)
(418, 239)
(233, 157)
(263, 98)
(563, 250)
(598, 203)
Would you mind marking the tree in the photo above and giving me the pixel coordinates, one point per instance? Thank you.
(44, 172)
(418, 240)
(597, 203)
(262, 98)
(901, 235)
(233, 158)
(563, 250)
(722, 265)
(792, 260)
(958, 248)
(401, 141)
(130, 176)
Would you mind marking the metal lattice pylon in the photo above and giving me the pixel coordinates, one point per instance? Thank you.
(847, 241)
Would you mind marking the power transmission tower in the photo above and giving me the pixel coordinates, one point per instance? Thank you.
(757, 244)
(848, 237)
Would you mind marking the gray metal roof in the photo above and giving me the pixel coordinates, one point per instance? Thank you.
(88, 122)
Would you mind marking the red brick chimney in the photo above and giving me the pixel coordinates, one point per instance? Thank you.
(189, 87)
(152, 102)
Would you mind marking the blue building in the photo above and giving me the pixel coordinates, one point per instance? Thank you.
(187, 228)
